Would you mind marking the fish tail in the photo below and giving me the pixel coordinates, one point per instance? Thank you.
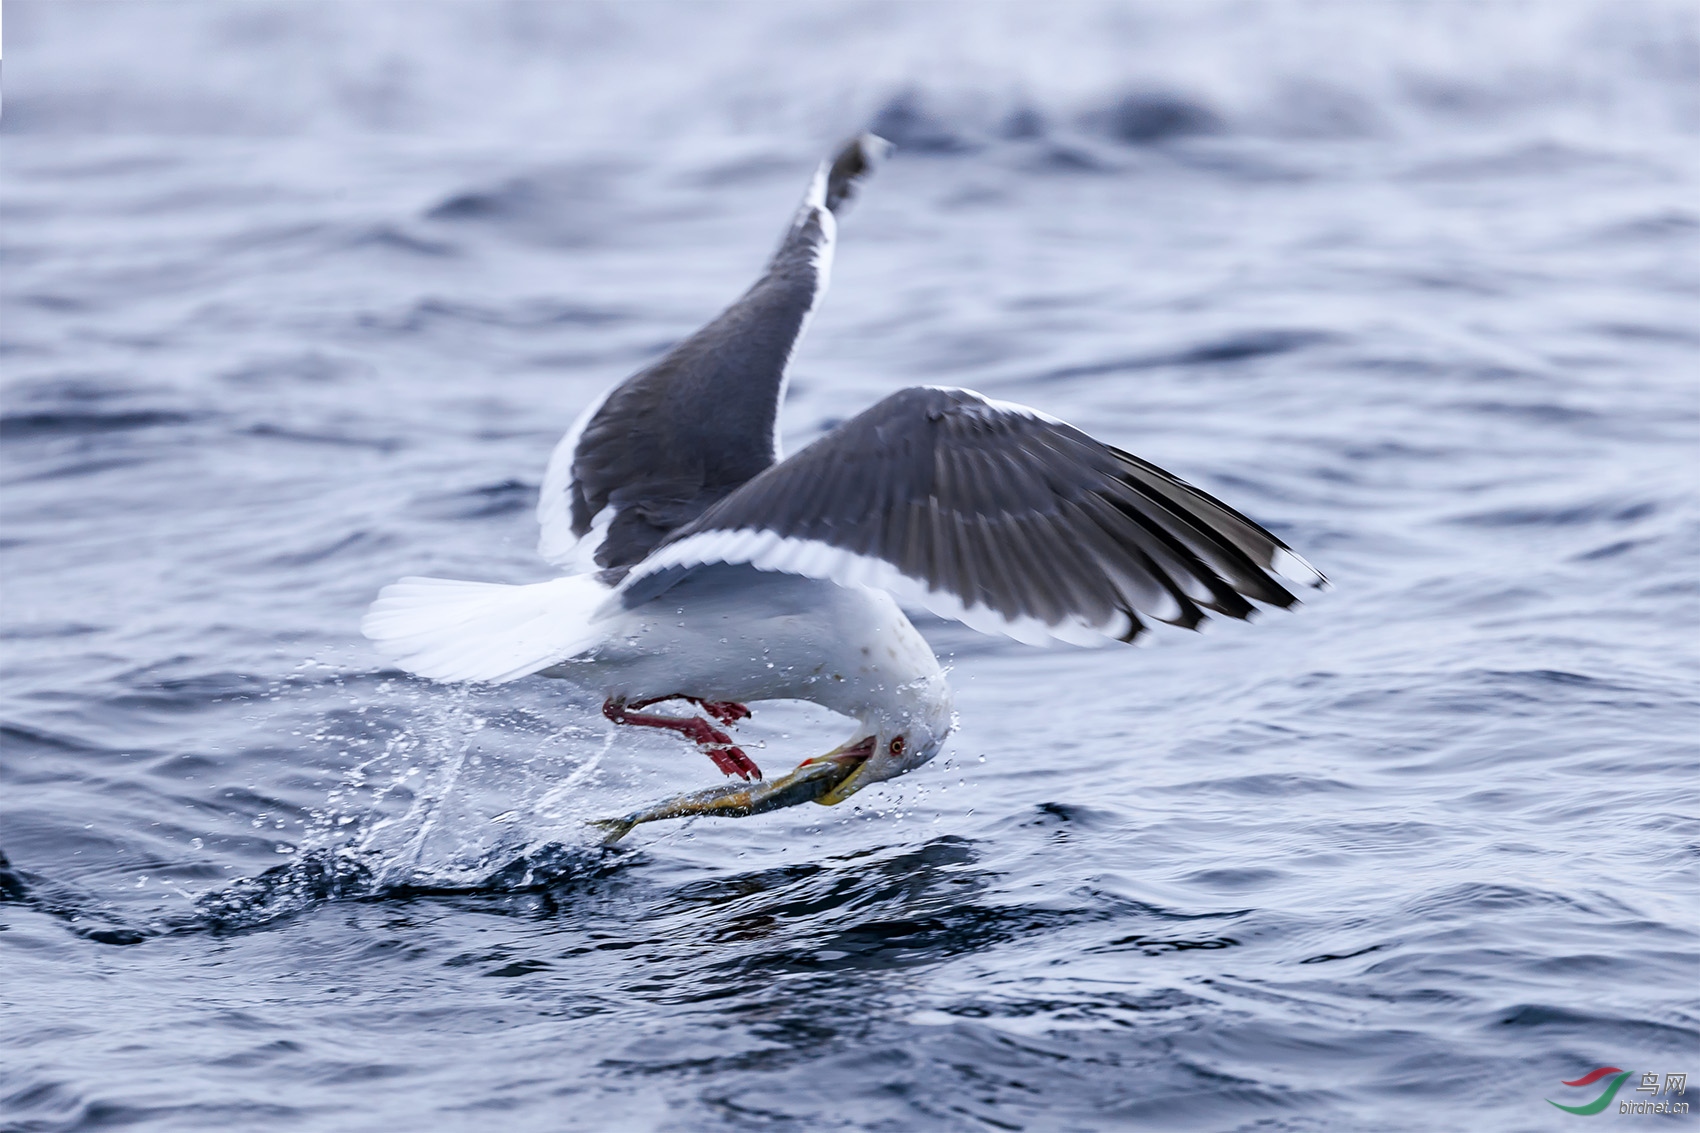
(617, 828)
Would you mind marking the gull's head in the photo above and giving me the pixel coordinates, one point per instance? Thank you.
(895, 737)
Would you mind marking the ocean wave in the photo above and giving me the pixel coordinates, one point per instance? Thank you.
(939, 79)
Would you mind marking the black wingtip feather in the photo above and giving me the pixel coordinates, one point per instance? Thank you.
(1218, 547)
(859, 156)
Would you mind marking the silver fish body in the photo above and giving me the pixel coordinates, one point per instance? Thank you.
(806, 783)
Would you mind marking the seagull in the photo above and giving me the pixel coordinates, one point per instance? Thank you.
(703, 566)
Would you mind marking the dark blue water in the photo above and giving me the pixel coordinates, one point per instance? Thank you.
(298, 297)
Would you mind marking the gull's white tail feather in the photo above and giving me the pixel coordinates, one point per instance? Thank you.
(484, 631)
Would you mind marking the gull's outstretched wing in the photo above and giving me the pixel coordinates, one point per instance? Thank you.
(670, 440)
(995, 515)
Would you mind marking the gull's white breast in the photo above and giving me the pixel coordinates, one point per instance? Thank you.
(736, 633)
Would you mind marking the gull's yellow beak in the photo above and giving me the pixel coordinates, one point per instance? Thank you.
(854, 753)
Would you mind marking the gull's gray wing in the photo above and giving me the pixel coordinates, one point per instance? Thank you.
(670, 440)
(993, 514)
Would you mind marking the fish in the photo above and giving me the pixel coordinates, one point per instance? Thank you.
(806, 783)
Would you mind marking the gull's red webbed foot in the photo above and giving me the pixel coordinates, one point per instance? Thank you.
(715, 744)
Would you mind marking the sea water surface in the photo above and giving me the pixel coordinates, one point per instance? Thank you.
(298, 298)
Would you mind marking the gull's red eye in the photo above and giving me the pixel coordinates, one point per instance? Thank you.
(897, 745)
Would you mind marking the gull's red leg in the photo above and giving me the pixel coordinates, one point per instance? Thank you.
(728, 712)
(715, 744)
